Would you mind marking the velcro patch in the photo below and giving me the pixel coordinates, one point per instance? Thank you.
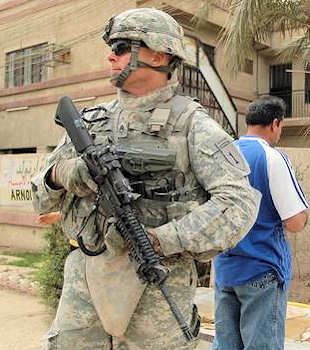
(232, 154)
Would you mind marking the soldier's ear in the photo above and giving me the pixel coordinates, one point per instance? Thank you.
(159, 59)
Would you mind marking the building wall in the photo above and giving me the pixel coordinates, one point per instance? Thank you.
(300, 242)
(78, 26)
(28, 111)
(18, 225)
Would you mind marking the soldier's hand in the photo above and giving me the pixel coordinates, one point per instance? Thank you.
(49, 218)
(154, 239)
(73, 175)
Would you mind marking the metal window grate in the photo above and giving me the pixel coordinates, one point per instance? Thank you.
(26, 66)
(192, 83)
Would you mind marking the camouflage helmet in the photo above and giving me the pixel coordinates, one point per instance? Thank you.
(158, 30)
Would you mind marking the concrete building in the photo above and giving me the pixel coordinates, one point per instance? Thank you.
(51, 48)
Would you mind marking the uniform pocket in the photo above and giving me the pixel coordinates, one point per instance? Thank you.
(177, 210)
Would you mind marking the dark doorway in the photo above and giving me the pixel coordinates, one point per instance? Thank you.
(281, 84)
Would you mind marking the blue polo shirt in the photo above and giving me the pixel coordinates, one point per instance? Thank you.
(265, 248)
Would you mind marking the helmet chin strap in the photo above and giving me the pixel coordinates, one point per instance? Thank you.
(134, 64)
(120, 78)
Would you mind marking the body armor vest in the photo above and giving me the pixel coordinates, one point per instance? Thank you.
(164, 194)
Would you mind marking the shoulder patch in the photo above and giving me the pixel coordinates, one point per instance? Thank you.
(232, 154)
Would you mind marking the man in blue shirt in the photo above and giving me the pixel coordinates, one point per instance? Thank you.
(252, 279)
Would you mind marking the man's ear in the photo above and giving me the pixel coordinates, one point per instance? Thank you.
(271, 125)
(160, 59)
(274, 124)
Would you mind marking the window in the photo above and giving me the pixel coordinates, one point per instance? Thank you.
(248, 67)
(280, 81)
(26, 66)
(279, 78)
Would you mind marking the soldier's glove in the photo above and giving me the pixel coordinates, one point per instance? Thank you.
(74, 176)
(99, 160)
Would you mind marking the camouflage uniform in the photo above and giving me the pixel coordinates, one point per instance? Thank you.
(213, 208)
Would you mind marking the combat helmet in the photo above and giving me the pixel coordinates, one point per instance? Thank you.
(150, 27)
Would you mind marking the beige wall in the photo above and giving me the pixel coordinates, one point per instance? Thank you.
(295, 141)
(35, 127)
(20, 237)
(61, 22)
(18, 226)
(64, 22)
(300, 242)
(241, 125)
(263, 74)
(78, 25)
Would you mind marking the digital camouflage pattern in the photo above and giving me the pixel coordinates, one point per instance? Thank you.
(76, 324)
(201, 228)
(158, 30)
(201, 205)
(221, 171)
(73, 175)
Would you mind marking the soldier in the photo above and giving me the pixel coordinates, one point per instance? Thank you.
(194, 208)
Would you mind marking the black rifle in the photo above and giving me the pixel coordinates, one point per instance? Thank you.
(116, 196)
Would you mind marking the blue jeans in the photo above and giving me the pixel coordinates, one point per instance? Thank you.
(250, 317)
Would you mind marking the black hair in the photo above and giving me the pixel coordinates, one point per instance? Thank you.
(264, 110)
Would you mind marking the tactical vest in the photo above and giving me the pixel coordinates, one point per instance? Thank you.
(165, 194)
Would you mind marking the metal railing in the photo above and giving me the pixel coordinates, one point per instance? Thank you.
(192, 83)
(297, 102)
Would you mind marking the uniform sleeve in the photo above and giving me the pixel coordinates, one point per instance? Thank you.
(232, 209)
(286, 192)
(46, 199)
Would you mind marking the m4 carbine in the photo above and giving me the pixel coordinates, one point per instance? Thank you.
(116, 196)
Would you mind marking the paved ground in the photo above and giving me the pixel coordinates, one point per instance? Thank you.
(23, 319)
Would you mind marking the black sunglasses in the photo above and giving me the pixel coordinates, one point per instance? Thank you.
(121, 46)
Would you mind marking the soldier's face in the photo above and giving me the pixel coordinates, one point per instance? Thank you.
(118, 62)
(137, 77)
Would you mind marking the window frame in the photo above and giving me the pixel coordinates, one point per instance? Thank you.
(26, 66)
